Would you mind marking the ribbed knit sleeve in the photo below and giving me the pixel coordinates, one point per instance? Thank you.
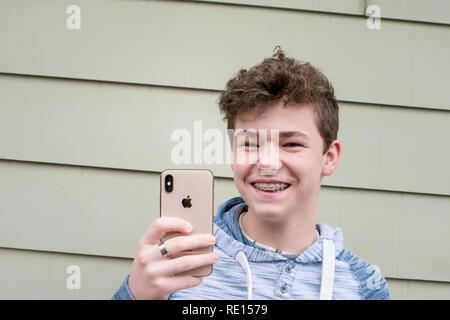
(372, 285)
(123, 293)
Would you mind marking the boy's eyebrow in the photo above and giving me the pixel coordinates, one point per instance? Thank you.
(283, 134)
(290, 134)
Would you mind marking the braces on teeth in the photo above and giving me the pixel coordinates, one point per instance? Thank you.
(270, 187)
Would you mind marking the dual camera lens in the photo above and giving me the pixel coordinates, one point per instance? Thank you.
(168, 183)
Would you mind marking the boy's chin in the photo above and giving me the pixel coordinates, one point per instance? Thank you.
(267, 211)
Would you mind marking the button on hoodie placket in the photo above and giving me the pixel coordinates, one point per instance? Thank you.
(284, 282)
(288, 268)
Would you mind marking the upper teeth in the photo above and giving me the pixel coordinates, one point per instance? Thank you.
(270, 185)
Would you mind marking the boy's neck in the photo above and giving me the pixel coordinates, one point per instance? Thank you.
(294, 234)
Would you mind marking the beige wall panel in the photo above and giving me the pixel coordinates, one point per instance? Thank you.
(330, 202)
(371, 65)
(34, 216)
(391, 148)
(398, 288)
(370, 221)
(106, 212)
(359, 134)
(402, 289)
(430, 64)
(190, 44)
(404, 234)
(43, 275)
(435, 11)
(428, 290)
(344, 6)
(224, 189)
(221, 49)
(130, 127)
(35, 39)
(424, 233)
(312, 46)
(78, 210)
(409, 140)
(105, 125)
(154, 42)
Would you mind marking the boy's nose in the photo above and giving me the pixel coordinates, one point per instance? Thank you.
(269, 160)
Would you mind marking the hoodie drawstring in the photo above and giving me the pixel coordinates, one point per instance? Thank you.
(328, 265)
(242, 259)
(328, 268)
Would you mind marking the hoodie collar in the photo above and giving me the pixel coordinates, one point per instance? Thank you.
(230, 239)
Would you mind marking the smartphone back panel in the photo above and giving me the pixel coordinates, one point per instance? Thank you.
(189, 194)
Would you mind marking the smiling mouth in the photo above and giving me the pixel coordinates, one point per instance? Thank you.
(270, 187)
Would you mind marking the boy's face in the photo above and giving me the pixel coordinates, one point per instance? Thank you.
(299, 164)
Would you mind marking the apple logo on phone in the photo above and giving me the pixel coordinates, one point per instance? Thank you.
(186, 202)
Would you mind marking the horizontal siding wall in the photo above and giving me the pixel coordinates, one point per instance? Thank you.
(343, 6)
(86, 118)
(43, 275)
(432, 11)
(190, 44)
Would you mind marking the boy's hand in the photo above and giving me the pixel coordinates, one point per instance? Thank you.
(153, 276)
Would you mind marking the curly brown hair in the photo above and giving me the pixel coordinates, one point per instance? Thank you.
(280, 78)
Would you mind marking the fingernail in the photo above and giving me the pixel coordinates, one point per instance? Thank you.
(211, 239)
(188, 228)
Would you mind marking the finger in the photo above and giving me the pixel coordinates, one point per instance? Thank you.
(176, 246)
(147, 254)
(184, 243)
(164, 225)
(171, 267)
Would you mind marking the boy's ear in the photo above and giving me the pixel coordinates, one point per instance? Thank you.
(331, 158)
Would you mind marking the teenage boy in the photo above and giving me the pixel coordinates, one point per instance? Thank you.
(267, 243)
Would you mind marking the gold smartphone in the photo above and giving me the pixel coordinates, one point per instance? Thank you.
(189, 194)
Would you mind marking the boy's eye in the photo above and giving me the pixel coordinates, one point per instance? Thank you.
(293, 144)
(251, 145)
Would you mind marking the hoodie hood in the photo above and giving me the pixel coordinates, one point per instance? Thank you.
(230, 239)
